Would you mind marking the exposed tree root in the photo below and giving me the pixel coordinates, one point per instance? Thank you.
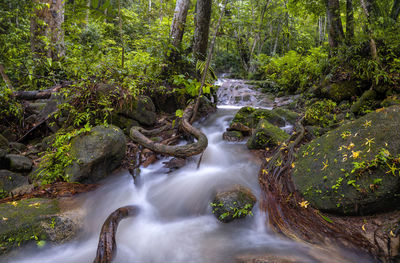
(107, 246)
(138, 135)
(283, 204)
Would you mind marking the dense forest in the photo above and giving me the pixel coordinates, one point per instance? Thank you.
(284, 112)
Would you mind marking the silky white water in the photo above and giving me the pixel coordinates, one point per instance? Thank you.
(175, 223)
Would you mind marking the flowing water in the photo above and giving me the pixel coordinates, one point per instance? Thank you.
(175, 223)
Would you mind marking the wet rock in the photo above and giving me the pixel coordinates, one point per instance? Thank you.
(141, 109)
(233, 204)
(175, 163)
(33, 220)
(336, 172)
(19, 163)
(233, 136)
(4, 162)
(237, 126)
(9, 134)
(267, 258)
(3, 142)
(266, 135)
(96, 154)
(10, 181)
(250, 117)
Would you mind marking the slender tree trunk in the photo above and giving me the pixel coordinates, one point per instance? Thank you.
(394, 14)
(88, 3)
(349, 21)
(367, 6)
(178, 22)
(201, 31)
(273, 53)
(121, 35)
(53, 18)
(336, 35)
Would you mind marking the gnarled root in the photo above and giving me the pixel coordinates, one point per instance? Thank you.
(137, 134)
(107, 245)
(283, 204)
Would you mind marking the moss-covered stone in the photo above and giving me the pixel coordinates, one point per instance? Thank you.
(32, 220)
(266, 135)
(390, 101)
(96, 154)
(365, 102)
(19, 163)
(323, 172)
(233, 204)
(251, 117)
(9, 181)
(3, 142)
(288, 115)
(340, 91)
(141, 109)
(232, 136)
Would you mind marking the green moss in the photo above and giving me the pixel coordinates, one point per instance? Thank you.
(21, 221)
(266, 135)
(251, 117)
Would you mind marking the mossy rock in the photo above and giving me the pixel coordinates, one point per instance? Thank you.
(233, 136)
(33, 220)
(250, 117)
(3, 142)
(340, 91)
(287, 115)
(96, 155)
(123, 122)
(390, 101)
(232, 204)
(9, 181)
(365, 102)
(266, 135)
(141, 109)
(323, 171)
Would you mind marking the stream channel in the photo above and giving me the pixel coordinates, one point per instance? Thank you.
(176, 224)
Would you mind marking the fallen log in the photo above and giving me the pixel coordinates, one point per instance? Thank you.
(181, 151)
(107, 246)
(35, 94)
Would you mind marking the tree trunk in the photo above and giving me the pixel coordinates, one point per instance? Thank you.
(178, 22)
(367, 7)
(394, 14)
(349, 21)
(53, 18)
(201, 31)
(336, 35)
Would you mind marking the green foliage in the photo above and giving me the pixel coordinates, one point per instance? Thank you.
(295, 72)
(57, 157)
(321, 113)
(234, 211)
(10, 109)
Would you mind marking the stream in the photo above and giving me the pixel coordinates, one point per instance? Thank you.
(176, 223)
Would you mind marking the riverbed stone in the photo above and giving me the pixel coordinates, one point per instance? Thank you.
(10, 181)
(250, 117)
(33, 220)
(288, 115)
(3, 142)
(326, 171)
(234, 203)
(96, 154)
(17, 147)
(19, 163)
(233, 136)
(266, 135)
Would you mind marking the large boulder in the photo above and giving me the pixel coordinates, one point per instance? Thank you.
(266, 135)
(288, 115)
(232, 136)
(10, 181)
(353, 169)
(33, 220)
(19, 163)
(250, 117)
(96, 154)
(141, 109)
(233, 204)
(339, 91)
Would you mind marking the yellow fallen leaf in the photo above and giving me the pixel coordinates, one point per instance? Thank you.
(293, 165)
(304, 204)
(36, 205)
(356, 154)
(392, 234)
(363, 228)
(14, 203)
(265, 171)
(267, 159)
(5, 218)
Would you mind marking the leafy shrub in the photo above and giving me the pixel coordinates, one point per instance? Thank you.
(295, 72)
(10, 109)
(321, 113)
